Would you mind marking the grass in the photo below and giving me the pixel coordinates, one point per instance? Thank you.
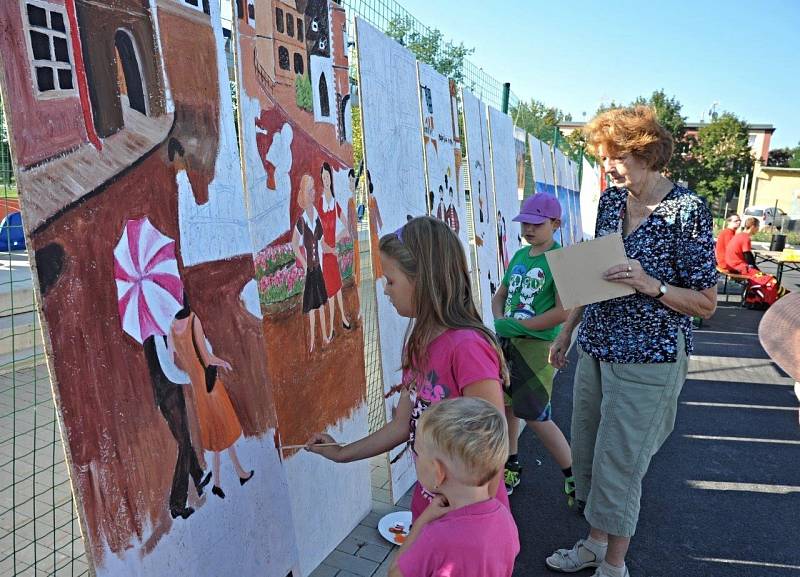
(8, 190)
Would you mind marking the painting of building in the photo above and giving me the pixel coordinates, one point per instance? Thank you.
(300, 184)
(130, 190)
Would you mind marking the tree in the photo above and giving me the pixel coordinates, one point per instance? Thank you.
(784, 157)
(430, 47)
(722, 156)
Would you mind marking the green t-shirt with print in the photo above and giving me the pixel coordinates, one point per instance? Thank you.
(531, 292)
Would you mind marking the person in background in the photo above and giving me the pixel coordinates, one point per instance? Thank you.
(739, 252)
(726, 234)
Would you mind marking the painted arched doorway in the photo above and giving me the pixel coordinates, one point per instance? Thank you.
(132, 76)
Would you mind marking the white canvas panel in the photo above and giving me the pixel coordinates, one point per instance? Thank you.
(394, 164)
(442, 155)
(483, 208)
(504, 179)
(591, 189)
(549, 169)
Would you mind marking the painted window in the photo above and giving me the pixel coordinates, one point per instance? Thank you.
(196, 4)
(324, 102)
(279, 20)
(251, 12)
(49, 49)
(283, 58)
(300, 31)
(298, 63)
(290, 25)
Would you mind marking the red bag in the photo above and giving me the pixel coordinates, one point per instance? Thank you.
(762, 291)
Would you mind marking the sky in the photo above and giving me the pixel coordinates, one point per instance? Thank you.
(576, 54)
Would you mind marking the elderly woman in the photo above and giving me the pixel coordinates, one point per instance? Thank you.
(632, 351)
(732, 223)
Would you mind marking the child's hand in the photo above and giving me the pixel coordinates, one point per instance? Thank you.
(331, 450)
(439, 507)
(558, 351)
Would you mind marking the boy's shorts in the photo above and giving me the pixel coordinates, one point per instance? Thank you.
(531, 378)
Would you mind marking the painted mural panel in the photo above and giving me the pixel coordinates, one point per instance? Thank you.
(520, 155)
(504, 179)
(542, 170)
(446, 196)
(591, 189)
(294, 98)
(575, 191)
(563, 196)
(130, 189)
(395, 174)
(483, 208)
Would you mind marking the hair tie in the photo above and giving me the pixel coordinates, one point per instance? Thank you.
(399, 234)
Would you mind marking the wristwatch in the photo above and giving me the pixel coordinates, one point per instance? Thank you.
(662, 290)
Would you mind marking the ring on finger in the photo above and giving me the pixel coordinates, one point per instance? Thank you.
(629, 268)
(628, 274)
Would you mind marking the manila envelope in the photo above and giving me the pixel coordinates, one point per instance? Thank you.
(578, 271)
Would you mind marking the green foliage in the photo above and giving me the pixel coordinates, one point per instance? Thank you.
(542, 121)
(720, 157)
(358, 142)
(430, 47)
(303, 94)
(6, 168)
(784, 157)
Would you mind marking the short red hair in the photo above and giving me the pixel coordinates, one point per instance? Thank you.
(635, 131)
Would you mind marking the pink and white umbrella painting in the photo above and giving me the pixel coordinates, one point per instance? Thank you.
(149, 287)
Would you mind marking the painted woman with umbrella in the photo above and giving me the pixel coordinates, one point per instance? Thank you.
(219, 424)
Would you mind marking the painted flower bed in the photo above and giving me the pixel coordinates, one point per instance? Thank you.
(278, 276)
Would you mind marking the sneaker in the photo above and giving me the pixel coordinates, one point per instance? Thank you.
(512, 474)
(580, 557)
(569, 489)
(606, 570)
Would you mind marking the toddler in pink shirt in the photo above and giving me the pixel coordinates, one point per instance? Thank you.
(460, 447)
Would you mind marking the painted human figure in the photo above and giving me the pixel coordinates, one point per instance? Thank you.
(451, 215)
(307, 234)
(352, 230)
(502, 239)
(480, 202)
(375, 226)
(441, 209)
(219, 425)
(331, 213)
(170, 400)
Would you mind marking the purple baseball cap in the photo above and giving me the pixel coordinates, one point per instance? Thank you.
(539, 208)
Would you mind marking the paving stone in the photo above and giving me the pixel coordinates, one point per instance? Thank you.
(350, 545)
(357, 565)
(375, 553)
(324, 570)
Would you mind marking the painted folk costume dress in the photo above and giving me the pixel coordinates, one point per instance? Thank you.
(219, 425)
(331, 211)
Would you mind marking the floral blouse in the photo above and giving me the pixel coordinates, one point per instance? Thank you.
(675, 245)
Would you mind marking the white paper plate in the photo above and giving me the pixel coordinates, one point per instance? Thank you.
(395, 520)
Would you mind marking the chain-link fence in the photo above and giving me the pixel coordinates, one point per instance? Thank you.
(39, 533)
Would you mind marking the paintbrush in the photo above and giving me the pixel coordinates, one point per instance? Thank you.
(286, 447)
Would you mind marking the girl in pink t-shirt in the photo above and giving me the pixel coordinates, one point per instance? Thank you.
(461, 446)
(448, 350)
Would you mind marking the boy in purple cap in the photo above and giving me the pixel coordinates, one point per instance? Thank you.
(528, 316)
